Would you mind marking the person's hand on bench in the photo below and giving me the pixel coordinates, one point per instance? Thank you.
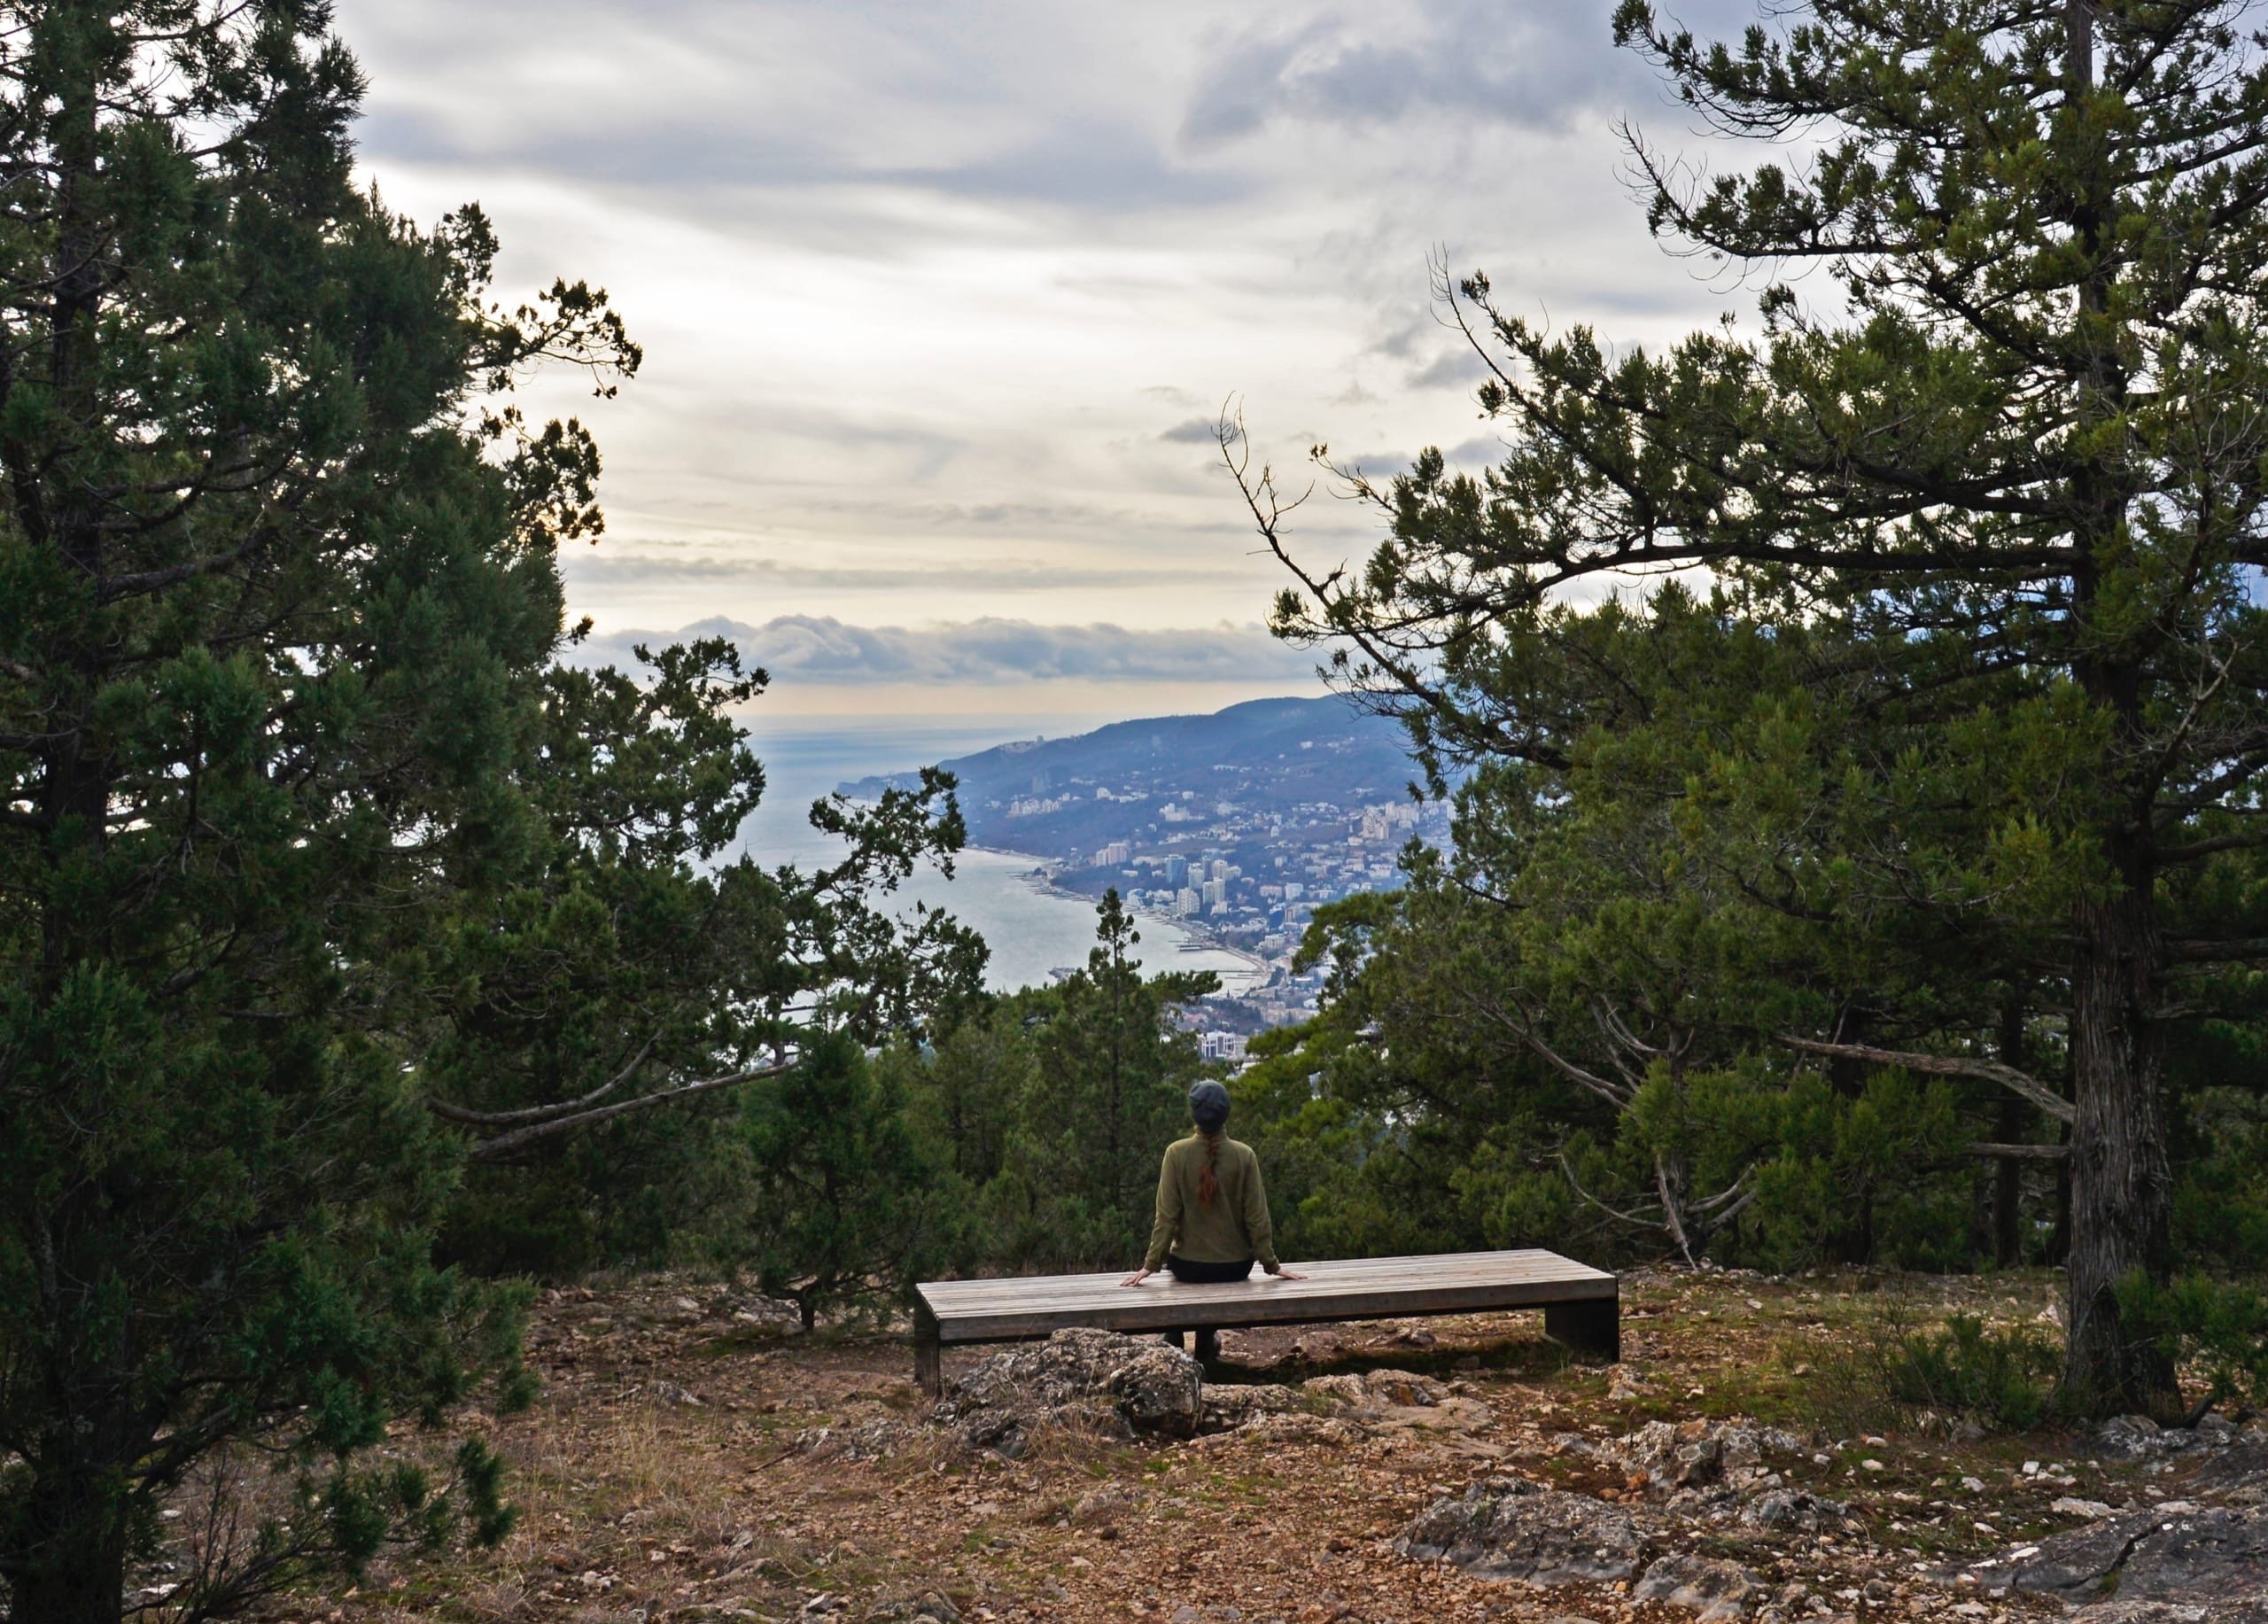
(1279, 1271)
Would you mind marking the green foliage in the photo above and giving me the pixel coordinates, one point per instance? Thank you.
(2220, 1208)
(1869, 1174)
(2217, 1330)
(363, 1511)
(624, 964)
(272, 613)
(844, 1205)
(2003, 1378)
(320, 882)
(969, 1092)
(622, 974)
(1353, 1171)
(1880, 686)
(1109, 1078)
(1047, 1111)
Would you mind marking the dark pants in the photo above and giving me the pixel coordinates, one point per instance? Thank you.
(1189, 1271)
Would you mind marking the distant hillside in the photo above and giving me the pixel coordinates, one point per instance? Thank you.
(1154, 778)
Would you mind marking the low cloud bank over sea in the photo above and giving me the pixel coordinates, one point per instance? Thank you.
(817, 649)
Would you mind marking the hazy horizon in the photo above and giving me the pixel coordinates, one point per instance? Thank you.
(939, 304)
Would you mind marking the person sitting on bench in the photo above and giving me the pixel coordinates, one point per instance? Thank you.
(1212, 1223)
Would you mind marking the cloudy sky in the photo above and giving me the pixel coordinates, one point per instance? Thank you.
(940, 300)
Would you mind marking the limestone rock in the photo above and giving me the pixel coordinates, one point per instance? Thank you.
(1711, 1589)
(873, 1439)
(2235, 1610)
(1673, 1456)
(1379, 1399)
(1299, 1427)
(2182, 1555)
(1101, 1506)
(2139, 1438)
(1451, 1415)
(1508, 1528)
(1401, 1389)
(1229, 1407)
(1796, 1508)
(759, 1315)
(1340, 1390)
(1624, 1383)
(1081, 1378)
(2238, 1469)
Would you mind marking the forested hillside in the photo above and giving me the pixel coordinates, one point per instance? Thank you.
(1146, 780)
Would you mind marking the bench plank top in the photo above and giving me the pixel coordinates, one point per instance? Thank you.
(1352, 1288)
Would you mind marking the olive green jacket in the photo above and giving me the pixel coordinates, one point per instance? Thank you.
(1234, 1228)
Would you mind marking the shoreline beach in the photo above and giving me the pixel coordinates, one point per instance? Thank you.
(1196, 937)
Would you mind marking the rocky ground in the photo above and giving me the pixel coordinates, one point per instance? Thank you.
(692, 1459)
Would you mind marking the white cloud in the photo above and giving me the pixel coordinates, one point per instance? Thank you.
(938, 302)
(811, 651)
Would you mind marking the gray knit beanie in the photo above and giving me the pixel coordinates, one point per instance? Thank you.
(1209, 1104)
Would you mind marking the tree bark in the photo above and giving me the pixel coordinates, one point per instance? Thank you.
(1846, 1075)
(2059, 1235)
(2121, 1178)
(77, 790)
(78, 1528)
(73, 1522)
(2007, 1171)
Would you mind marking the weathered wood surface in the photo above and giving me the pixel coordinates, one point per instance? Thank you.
(1354, 1288)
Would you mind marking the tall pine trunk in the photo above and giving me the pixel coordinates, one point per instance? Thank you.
(76, 1514)
(2014, 1121)
(77, 1524)
(2122, 1181)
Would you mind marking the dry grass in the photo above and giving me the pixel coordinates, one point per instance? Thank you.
(659, 1474)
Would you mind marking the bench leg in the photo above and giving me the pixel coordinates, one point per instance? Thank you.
(1593, 1329)
(928, 1364)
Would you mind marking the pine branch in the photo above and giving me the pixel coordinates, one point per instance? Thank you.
(1988, 1152)
(1945, 1066)
(2213, 950)
(544, 1113)
(506, 1145)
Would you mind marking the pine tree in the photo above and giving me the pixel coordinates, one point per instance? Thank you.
(847, 1203)
(1109, 1074)
(2006, 454)
(277, 598)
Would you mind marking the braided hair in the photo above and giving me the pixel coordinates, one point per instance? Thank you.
(1209, 1108)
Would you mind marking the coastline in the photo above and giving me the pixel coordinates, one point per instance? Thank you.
(1196, 937)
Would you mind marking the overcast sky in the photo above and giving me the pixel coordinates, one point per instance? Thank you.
(940, 300)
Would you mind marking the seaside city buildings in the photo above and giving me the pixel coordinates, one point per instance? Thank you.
(1249, 879)
(1237, 826)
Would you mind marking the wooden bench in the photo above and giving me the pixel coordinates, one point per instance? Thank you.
(1581, 1306)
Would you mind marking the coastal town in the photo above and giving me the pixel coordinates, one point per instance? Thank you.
(1249, 880)
(1236, 827)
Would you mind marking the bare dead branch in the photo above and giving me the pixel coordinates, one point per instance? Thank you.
(505, 1145)
(543, 1113)
(1944, 1065)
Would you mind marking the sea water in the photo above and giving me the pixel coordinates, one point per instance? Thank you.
(1032, 931)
